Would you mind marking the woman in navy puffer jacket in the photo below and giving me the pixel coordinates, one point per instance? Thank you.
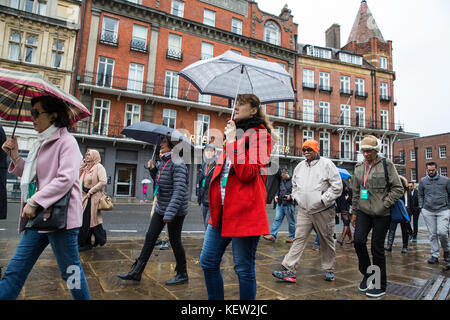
(171, 189)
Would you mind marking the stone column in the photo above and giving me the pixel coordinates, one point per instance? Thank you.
(150, 85)
(92, 46)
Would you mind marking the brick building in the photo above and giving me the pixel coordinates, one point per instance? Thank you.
(344, 93)
(38, 37)
(130, 53)
(415, 152)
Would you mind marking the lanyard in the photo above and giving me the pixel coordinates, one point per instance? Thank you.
(159, 175)
(366, 174)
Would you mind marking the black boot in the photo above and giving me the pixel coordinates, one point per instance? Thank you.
(135, 273)
(390, 241)
(178, 279)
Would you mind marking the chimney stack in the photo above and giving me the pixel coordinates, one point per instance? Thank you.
(333, 36)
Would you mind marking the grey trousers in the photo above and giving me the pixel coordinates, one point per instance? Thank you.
(324, 223)
(438, 227)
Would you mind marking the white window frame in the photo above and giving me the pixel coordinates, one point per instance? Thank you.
(443, 171)
(324, 144)
(344, 147)
(209, 17)
(281, 109)
(132, 111)
(177, 8)
(360, 117)
(442, 152)
(384, 89)
(204, 98)
(135, 77)
(15, 4)
(384, 115)
(385, 148)
(308, 77)
(307, 135)
(33, 46)
(428, 155)
(41, 8)
(383, 63)
(281, 142)
(412, 155)
(345, 84)
(272, 33)
(107, 62)
(170, 115)
(236, 26)
(115, 31)
(358, 140)
(174, 45)
(318, 52)
(324, 112)
(57, 53)
(172, 76)
(345, 116)
(359, 86)
(308, 110)
(103, 118)
(138, 36)
(25, 5)
(202, 120)
(207, 50)
(324, 80)
(13, 43)
(413, 175)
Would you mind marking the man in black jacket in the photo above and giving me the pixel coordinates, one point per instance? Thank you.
(412, 204)
(285, 208)
(204, 178)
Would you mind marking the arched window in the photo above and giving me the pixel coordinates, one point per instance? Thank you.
(272, 33)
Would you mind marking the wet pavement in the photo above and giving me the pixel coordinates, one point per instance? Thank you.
(407, 273)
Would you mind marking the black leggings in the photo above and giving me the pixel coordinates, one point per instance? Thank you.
(86, 232)
(174, 229)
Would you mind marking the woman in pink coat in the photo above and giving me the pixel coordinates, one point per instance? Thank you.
(93, 182)
(48, 173)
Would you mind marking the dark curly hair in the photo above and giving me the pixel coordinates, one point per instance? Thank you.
(52, 104)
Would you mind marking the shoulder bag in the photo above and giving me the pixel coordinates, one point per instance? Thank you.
(105, 203)
(398, 210)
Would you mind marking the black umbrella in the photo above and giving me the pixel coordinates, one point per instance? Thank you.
(153, 133)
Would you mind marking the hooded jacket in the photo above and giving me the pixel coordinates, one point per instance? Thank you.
(380, 200)
(316, 185)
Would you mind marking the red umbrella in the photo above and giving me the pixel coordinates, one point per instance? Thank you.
(20, 86)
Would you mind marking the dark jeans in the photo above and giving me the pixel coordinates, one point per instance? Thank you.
(174, 229)
(379, 227)
(31, 245)
(415, 218)
(244, 254)
(86, 232)
(405, 231)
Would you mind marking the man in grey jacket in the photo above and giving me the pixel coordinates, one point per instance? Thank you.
(316, 184)
(434, 200)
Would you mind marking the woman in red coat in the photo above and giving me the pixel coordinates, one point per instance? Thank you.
(237, 199)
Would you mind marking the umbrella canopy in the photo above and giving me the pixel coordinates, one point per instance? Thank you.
(344, 173)
(18, 88)
(151, 133)
(230, 74)
(146, 181)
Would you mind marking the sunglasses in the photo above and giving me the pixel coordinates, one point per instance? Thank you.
(35, 114)
(307, 150)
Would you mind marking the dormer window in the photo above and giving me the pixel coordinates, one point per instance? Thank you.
(272, 33)
(318, 52)
(350, 58)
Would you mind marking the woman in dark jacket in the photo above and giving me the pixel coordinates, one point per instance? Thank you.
(237, 199)
(171, 178)
(343, 207)
(204, 179)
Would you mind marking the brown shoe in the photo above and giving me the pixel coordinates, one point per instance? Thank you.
(269, 237)
(289, 240)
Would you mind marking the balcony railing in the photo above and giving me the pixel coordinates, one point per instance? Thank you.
(361, 94)
(385, 98)
(310, 86)
(138, 45)
(188, 93)
(175, 54)
(109, 38)
(325, 88)
(347, 92)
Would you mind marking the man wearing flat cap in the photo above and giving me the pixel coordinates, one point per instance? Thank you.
(316, 184)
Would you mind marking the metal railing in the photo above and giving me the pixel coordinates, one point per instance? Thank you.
(109, 38)
(138, 45)
(311, 86)
(174, 54)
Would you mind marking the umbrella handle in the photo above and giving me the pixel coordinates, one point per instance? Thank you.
(20, 109)
(237, 92)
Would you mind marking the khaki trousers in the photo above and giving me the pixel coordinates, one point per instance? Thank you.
(324, 223)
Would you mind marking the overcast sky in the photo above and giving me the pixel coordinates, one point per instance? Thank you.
(420, 34)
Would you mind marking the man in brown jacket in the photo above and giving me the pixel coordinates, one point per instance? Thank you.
(373, 197)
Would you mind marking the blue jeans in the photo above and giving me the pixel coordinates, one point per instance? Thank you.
(280, 213)
(65, 247)
(244, 252)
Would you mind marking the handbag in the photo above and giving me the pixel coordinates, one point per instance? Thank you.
(398, 210)
(51, 219)
(105, 203)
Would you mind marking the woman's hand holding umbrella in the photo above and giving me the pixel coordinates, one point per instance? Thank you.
(11, 148)
(230, 131)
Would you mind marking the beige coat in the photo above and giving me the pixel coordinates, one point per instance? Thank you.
(95, 180)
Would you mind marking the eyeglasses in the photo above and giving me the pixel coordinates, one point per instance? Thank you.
(307, 150)
(35, 114)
